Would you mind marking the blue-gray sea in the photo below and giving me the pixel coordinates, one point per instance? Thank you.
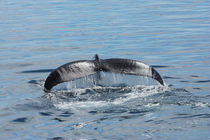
(37, 36)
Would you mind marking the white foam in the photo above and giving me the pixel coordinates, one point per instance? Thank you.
(135, 92)
(79, 105)
(201, 104)
(146, 91)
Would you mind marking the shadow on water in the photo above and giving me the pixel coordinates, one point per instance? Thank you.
(160, 66)
(169, 77)
(56, 138)
(203, 81)
(184, 116)
(20, 120)
(37, 71)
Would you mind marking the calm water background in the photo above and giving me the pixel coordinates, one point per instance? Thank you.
(173, 36)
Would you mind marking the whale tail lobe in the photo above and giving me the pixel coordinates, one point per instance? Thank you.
(78, 69)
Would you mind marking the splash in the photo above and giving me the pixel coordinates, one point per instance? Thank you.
(101, 96)
(118, 94)
(101, 90)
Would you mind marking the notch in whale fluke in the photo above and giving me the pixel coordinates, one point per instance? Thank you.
(78, 69)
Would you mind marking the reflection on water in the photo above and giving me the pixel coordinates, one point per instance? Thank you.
(38, 36)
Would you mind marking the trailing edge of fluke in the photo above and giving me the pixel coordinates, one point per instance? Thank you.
(78, 69)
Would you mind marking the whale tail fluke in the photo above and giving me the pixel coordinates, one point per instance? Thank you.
(156, 76)
(130, 67)
(52, 80)
(69, 72)
(78, 69)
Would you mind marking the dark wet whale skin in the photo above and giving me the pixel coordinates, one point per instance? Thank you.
(78, 69)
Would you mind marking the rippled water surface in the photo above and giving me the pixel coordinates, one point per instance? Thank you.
(38, 36)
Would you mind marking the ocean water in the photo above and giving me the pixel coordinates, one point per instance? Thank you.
(38, 36)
